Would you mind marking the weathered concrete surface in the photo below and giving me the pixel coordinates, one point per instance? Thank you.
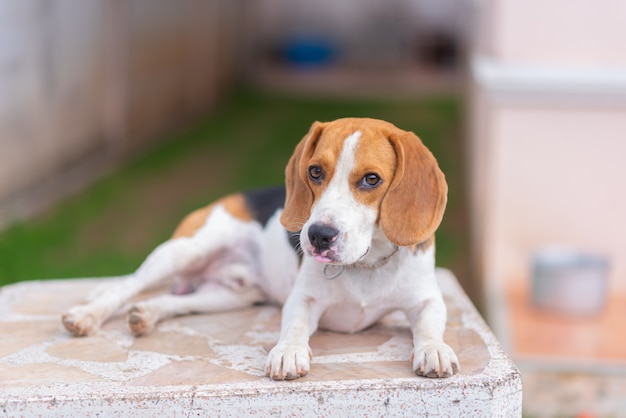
(213, 364)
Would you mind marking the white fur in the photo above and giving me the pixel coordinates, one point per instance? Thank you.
(233, 264)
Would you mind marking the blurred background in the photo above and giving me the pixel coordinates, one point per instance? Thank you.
(119, 117)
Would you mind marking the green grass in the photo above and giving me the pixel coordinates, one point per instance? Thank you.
(109, 228)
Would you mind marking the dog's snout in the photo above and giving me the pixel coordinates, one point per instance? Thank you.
(322, 236)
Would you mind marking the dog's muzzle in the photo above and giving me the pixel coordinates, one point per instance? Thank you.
(323, 242)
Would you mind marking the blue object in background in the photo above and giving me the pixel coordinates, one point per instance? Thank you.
(309, 51)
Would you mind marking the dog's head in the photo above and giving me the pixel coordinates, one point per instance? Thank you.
(351, 177)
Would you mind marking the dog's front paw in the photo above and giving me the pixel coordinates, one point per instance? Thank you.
(434, 360)
(287, 362)
(80, 321)
(140, 320)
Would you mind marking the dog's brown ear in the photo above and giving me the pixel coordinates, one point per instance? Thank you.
(414, 204)
(299, 198)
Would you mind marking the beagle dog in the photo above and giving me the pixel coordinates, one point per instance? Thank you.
(349, 239)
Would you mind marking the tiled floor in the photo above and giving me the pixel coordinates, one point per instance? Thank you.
(215, 364)
(540, 334)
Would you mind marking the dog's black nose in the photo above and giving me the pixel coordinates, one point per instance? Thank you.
(321, 236)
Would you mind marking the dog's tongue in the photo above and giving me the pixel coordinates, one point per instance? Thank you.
(322, 259)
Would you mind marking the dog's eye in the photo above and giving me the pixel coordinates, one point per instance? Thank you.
(315, 173)
(370, 180)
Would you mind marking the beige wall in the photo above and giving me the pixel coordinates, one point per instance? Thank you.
(84, 83)
(51, 88)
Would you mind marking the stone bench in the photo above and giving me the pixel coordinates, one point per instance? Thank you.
(213, 365)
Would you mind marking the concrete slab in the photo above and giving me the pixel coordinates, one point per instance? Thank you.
(214, 364)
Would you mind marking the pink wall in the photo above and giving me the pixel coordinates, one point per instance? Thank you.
(555, 32)
(556, 177)
(547, 134)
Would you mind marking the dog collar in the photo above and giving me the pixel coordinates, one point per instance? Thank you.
(358, 265)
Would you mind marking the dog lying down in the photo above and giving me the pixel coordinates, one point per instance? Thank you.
(349, 239)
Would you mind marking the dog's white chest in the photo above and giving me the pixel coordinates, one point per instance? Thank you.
(352, 317)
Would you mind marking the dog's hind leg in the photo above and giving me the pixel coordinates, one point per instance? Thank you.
(177, 256)
(211, 297)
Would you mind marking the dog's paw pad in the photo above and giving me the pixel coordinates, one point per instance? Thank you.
(79, 322)
(287, 362)
(435, 360)
(140, 321)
